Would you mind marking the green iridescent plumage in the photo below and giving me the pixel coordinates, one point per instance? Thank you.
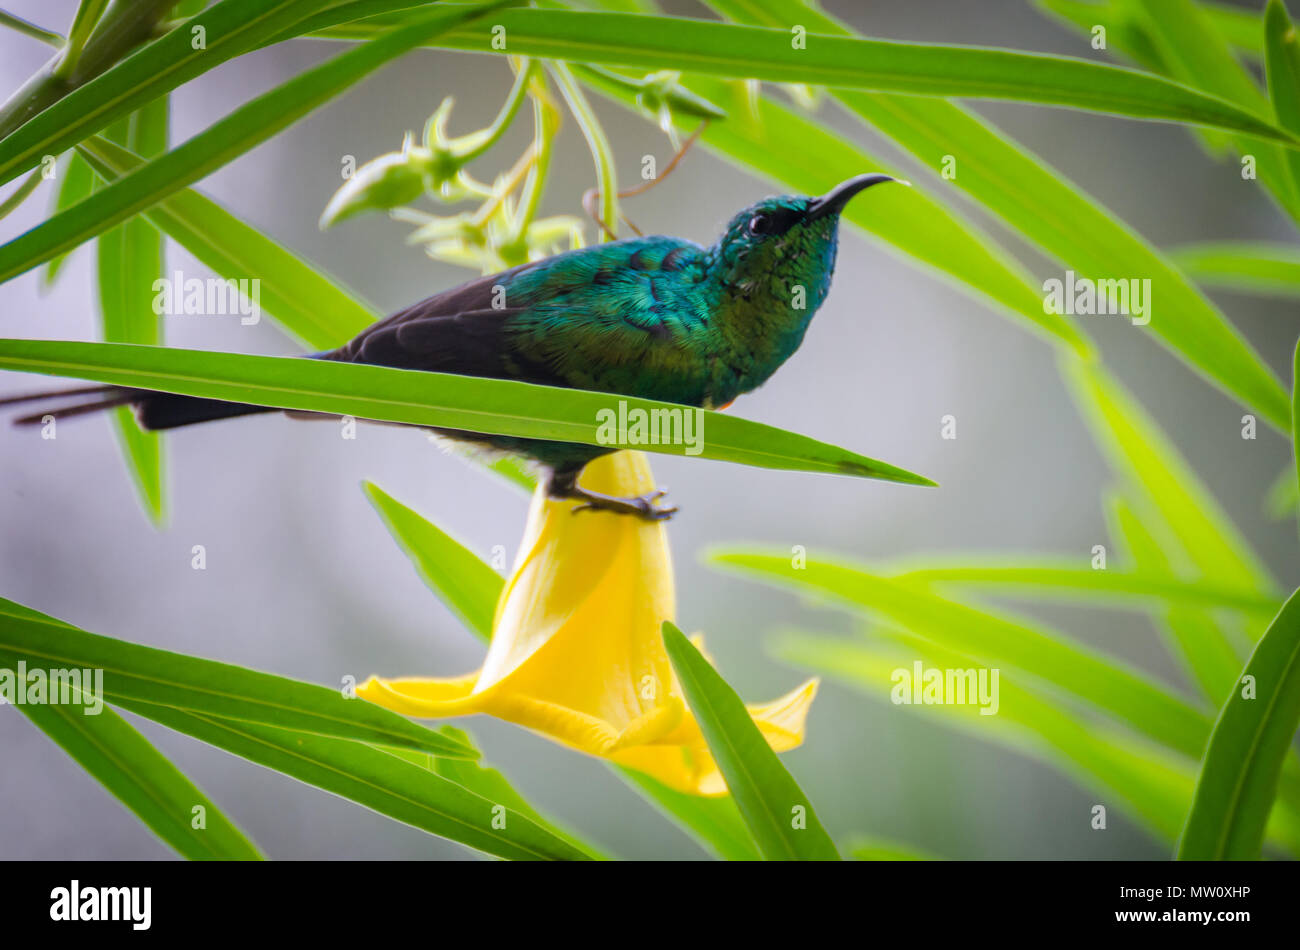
(655, 317)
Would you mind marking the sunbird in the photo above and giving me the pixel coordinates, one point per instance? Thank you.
(651, 317)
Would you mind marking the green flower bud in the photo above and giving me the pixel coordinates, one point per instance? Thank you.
(391, 180)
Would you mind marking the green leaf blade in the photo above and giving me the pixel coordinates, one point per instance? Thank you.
(766, 794)
(143, 780)
(384, 783)
(1055, 660)
(725, 49)
(1251, 740)
(135, 673)
(462, 581)
(442, 400)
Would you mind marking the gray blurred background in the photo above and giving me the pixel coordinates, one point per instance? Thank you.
(302, 579)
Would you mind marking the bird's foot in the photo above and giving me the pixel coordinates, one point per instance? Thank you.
(642, 506)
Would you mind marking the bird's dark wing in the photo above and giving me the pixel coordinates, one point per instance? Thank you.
(610, 317)
(461, 330)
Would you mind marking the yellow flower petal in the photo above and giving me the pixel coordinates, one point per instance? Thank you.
(577, 653)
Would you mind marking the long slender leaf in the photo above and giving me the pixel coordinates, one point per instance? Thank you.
(1251, 740)
(1192, 633)
(701, 46)
(130, 259)
(1240, 27)
(426, 399)
(778, 813)
(1282, 500)
(456, 574)
(1143, 455)
(1196, 53)
(77, 183)
(87, 16)
(295, 293)
(138, 673)
(1252, 267)
(384, 783)
(1177, 53)
(14, 200)
(1102, 681)
(143, 780)
(224, 140)
(491, 784)
(1098, 588)
(862, 848)
(1151, 784)
(1282, 65)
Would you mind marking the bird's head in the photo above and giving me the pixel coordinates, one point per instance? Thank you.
(779, 245)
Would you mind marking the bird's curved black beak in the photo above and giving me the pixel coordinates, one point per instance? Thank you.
(833, 201)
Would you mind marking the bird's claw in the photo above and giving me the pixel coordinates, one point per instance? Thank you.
(642, 506)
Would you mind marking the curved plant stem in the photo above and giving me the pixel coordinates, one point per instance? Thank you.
(88, 14)
(506, 117)
(597, 141)
(21, 193)
(30, 29)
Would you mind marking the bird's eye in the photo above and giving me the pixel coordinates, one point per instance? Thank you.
(760, 224)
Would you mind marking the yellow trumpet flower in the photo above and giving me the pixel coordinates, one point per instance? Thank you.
(577, 653)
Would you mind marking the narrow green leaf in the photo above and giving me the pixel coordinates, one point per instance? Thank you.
(1130, 33)
(1240, 27)
(1295, 416)
(862, 848)
(778, 813)
(1152, 785)
(490, 784)
(426, 399)
(87, 16)
(130, 259)
(1192, 634)
(727, 49)
(1282, 67)
(1196, 51)
(295, 293)
(714, 822)
(14, 200)
(77, 183)
(1146, 459)
(1239, 777)
(142, 779)
(1098, 588)
(138, 673)
(456, 574)
(1283, 498)
(249, 125)
(1251, 267)
(29, 29)
(1198, 54)
(1103, 681)
(381, 782)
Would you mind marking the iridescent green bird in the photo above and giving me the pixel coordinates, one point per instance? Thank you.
(653, 317)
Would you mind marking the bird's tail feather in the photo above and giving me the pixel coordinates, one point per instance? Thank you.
(154, 410)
